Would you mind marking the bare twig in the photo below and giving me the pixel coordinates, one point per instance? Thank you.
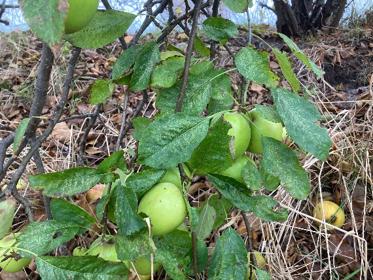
(123, 122)
(39, 99)
(176, 22)
(4, 144)
(249, 245)
(87, 130)
(11, 188)
(215, 12)
(188, 57)
(40, 169)
(149, 18)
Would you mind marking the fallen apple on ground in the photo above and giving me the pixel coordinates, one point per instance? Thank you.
(331, 212)
(165, 206)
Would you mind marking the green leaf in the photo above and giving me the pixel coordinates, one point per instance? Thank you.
(237, 6)
(63, 211)
(67, 182)
(170, 264)
(111, 163)
(168, 54)
(222, 208)
(281, 161)
(101, 91)
(140, 124)
(229, 260)
(45, 18)
(262, 274)
(126, 217)
(252, 176)
(42, 237)
(213, 154)
(143, 181)
(268, 112)
(239, 195)
(20, 132)
(203, 83)
(200, 47)
(177, 242)
(300, 117)
(301, 56)
(270, 182)
(171, 139)
(167, 73)
(134, 246)
(222, 95)
(254, 66)
(219, 29)
(206, 222)
(145, 62)
(287, 69)
(202, 256)
(124, 62)
(103, 29)
(82, 268)
(7, 210)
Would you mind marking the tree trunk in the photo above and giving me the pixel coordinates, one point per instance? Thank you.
(303, 16)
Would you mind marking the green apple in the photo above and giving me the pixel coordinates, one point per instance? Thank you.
(79, 14)
(262, 127)
(165, 206)
(8, 262)
(172, 175)
(235, 171)
(143, 266)
(260, 263)
(79, 251)
(240, 132)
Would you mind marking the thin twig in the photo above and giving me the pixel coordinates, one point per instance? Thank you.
(40, 169)
(249, 245)
(176, 22)
(123, 122)
(215, 12)
(11, 188)
(4, 145)
(188, 57)
(87, 130)
(162, 6)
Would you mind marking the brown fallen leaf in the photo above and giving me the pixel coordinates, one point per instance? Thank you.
(61, 132)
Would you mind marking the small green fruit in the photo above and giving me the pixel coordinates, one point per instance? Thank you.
(165, 206)
(143, 266)
(240, 131)
(235, 171)
(79, 251)
(172, 176)
(108, 253)
(79, 14)
(8, 263)
(262, 127)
